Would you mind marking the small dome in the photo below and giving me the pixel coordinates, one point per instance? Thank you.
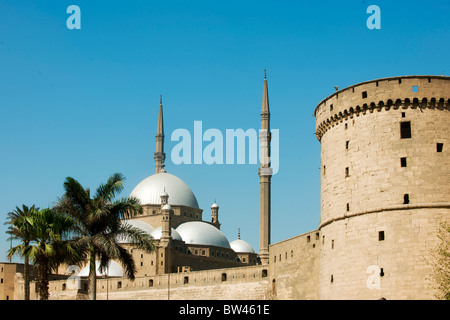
(156, 234)
(214, 205)
(197, 232)
(167, 207)
(137, 224)
(114, 270)
(239, 245)
(149, 190)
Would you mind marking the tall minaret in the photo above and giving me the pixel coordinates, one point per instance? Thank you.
(160, 156)
(265, 175)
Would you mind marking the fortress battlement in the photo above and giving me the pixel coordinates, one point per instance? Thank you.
(382, 94)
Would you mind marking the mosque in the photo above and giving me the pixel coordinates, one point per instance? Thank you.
(171, 215)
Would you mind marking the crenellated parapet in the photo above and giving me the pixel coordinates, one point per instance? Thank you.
(414, 92)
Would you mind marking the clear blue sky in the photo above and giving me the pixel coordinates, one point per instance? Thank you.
(83, 103)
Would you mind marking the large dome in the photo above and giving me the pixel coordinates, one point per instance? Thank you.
(196, 232)
(149, 190)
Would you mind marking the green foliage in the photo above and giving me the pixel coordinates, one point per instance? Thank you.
(47, 245)
(78, 227)
(100, 222)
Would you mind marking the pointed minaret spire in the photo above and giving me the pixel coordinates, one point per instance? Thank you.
(265, 112)
(160, 128)
(160, 156)
(265, 176)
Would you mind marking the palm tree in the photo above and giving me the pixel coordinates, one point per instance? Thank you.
(100, 223)
(18, 231)
(49, 246)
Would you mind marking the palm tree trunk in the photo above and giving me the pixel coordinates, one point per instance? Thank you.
(92, 275)
(26, 278)
(43, 270)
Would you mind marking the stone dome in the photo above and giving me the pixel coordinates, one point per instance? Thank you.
(156, 234)
(149, 190)
(114, 270)
(239, 245)
(197, 232)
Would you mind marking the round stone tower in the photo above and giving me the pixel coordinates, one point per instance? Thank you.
(385, 186)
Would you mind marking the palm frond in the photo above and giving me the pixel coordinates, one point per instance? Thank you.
(127, 262)
(107, 192)
(136, 237)
(78, 200)
(126, 208)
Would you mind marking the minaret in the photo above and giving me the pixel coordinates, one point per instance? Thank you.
(160, 156)
(166, 232)
(265, 175)
(215, 214)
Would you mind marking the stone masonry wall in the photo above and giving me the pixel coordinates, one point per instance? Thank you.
(219, 284)
(294, 267)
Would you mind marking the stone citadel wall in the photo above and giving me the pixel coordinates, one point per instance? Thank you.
(220, 284)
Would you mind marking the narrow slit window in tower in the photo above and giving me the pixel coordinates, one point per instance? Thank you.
(403, 162)
(403, 114)
(380, 235)
(348, 206)
(406, 199)
(439, 147)
(364, 94)
(346, 144)
(405, 130)
(347, 172)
